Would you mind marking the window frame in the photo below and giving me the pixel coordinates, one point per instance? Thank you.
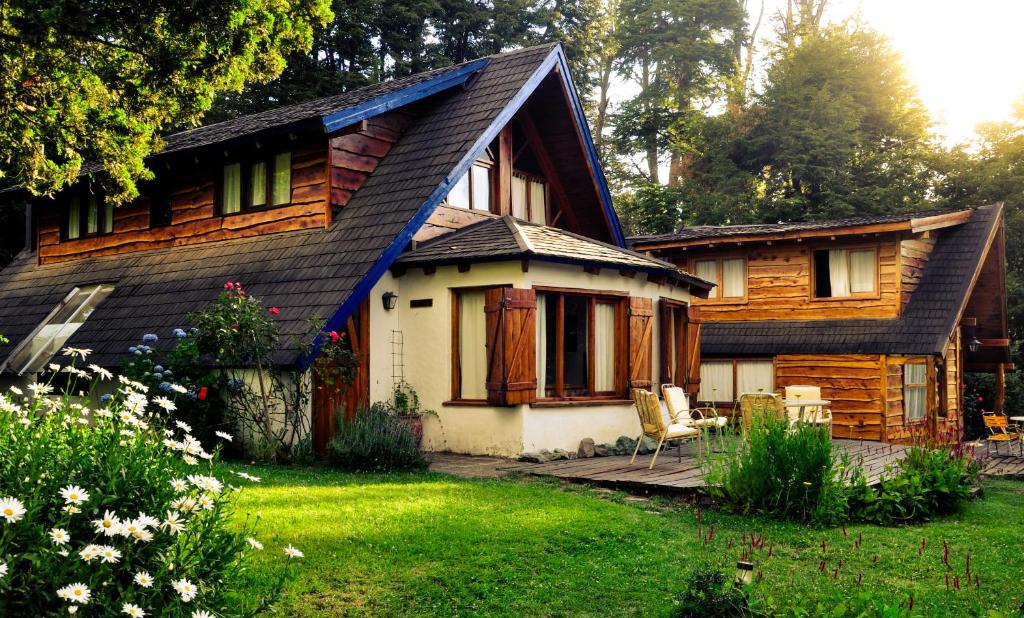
(536, 178)
(720, 260)
(491, 192)
(456, 341)
(48, 320)
(924, 386)
(620, 301)
(735, 376)
(83, 195)
(850, 249)
(245, 189)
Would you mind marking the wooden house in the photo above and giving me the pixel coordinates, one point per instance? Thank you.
(884, 313)
(456, 224)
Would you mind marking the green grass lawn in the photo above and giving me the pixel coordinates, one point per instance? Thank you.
(426, 545)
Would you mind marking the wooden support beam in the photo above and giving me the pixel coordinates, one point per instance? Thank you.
(995, 343)
(968, 321)
(547, 168)
(526, 266)
(1000, 388)
(503, 186)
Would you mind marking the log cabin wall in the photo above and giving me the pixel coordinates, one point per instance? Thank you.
(854, 383)
(194, 218)
(779, 284)
(914, 252)
(355, 155)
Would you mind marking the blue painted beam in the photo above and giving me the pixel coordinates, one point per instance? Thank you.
(405, 96)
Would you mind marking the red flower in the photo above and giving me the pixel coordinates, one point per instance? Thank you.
(201, 395)
(229, 285)
(274, 311)
(334, 336)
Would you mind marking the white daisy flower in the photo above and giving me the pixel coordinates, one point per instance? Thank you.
(105, 413)
(12, 509)
(249, 477)
(75, 593)
(79, 352)
(109, 525)
(254, 543)
(179, 485)
(147, 521)
(132, 610)
(185, 589)
(109, 555)
(183, 426)
(72, 609)
(165, 403)
(142, 536)
(190, 460)
(144, 579)
(291, 552)
(17, 391)
(202, 613)
(53, 367)
(73, 494)
(64, 553)
(178, 388)
(40, 389)
(101, 372)
(3, 570)
(59, 536)
(71, 509)
(206, 502)
(221, 434)
(130, 526)
(174, 523)
(207, 483)
(90, 552)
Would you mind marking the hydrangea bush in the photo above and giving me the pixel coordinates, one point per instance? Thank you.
(114, 508)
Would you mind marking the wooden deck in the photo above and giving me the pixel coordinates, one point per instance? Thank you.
(672, 475)
(1009, 466)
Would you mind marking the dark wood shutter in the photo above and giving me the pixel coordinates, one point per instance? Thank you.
(511, 323)
(641, 330)
(665, 347)
(692, 352)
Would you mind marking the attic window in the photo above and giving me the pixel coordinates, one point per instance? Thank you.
(256, 183)
(88, 214)
(529, 198)
(49, 337)
(473, 190)
(839, 273)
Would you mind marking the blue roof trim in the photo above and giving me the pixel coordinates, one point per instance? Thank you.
(592, 156)
(387, 258)
(384, 103)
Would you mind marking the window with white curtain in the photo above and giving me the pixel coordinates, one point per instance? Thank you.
(563, 334)
(753, 376)
(839, 273)
(529, 198)
(915, 391)
(716, 380)
(728, 274)
(472, 345)
(259, 183)
(724, 381)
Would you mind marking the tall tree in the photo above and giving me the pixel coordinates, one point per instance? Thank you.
(99, 80)
(838, 130)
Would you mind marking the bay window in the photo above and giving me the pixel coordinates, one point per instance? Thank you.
(840, 273)
(728, 274)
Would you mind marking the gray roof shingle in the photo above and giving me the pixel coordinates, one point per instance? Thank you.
(923, 328)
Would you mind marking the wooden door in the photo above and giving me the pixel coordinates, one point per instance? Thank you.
(333, 400)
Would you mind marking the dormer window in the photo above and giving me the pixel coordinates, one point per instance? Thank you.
(88, 214)
(841, 273)
(256, 183)
(473, 190)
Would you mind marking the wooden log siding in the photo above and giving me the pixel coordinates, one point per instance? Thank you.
(914, 254)
(854, 383)
(193, 213)
(354, 156)
(779, 286)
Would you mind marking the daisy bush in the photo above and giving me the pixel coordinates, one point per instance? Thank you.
(114, 507)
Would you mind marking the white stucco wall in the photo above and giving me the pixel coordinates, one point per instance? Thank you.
(426, 360)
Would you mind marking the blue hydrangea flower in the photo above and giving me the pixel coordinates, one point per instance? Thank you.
(234, 385)
(192, 395)
(158, 375)
(165, 387)
(149, 338)
(158, 369)
(137, 352)
(133, 350)
(168, 374)
(179, 333)
(105, 398)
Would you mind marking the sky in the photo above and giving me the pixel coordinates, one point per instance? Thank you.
(964, 55)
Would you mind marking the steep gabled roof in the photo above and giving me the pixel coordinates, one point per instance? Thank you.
(706, 234)
(317, 272)
(924, 327)
(507, 238)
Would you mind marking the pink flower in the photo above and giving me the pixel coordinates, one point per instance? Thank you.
(334, 336)
(229, 285)
(274, 311)
(980, 399)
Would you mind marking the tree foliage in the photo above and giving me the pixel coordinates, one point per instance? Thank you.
(98, 80)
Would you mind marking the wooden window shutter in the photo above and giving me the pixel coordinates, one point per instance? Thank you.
(692, 351)
(665, 342)
(641, 327)
(511, 323)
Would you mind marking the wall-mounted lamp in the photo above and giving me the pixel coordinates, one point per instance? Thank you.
(974, 345)
(389, 299)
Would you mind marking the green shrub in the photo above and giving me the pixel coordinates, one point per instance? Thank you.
(112, 505)
(778, 471)
(710, 593)
(375, 439)
(930, 482)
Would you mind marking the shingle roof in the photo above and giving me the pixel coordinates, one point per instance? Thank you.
(508, 238)
(701, 232)
(923, 328)
(305, 273)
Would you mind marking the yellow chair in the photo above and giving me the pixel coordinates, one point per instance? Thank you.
(653, 425)
(1001, 430)
(760, 404)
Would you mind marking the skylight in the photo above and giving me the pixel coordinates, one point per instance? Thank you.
(49, 337)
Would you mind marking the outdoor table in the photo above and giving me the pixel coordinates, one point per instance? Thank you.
(1017, 419)
(803, 404)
